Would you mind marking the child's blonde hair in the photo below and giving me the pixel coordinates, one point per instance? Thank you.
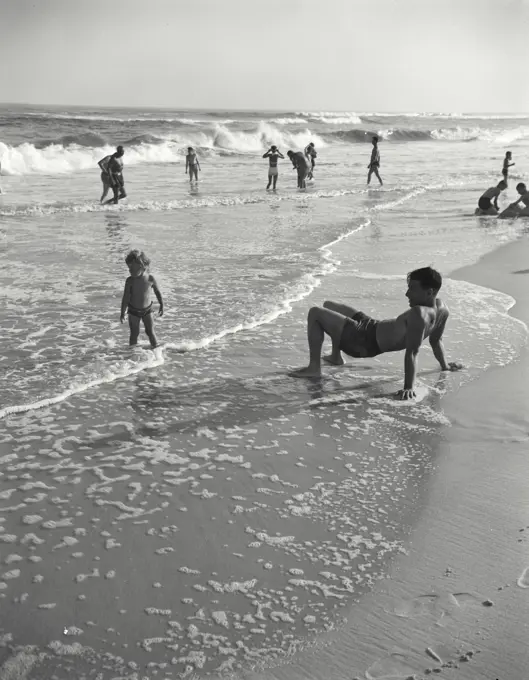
(138, 256)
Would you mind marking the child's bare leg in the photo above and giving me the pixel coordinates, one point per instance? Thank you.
(148, 322)
(378, 176)
(134, 325)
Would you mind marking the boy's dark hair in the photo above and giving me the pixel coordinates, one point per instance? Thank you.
(375, 139)
(138, 256)
(427, 277)
(521, 187)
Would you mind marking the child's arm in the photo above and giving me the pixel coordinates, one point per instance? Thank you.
(126, 299)
(157, 293)
(198, 163)
(187, 162)
(280, 154)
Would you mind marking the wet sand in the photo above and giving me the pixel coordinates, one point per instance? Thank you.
(456, 603)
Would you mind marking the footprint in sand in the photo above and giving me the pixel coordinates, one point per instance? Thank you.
(424, 604)
(396, 665)
(523, 581)
(440, 606)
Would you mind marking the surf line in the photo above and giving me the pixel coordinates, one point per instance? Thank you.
(50, 401)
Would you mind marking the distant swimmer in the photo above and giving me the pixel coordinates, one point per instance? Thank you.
(515, 209)
(506, 165)
(112, 175)
(488, 203)
(374, 163)
(358, 335)
(273, 155)
(137, 297)
(192, 163)
(311, 154)
(301, 164)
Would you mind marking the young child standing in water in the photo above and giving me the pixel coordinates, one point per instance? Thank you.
(137, 297)
(506, 165)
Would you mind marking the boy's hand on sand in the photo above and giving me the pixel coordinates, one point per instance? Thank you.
(455, 366)
(406, 394)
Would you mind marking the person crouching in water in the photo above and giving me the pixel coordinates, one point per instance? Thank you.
(273, 155)
(137, 297)
(112, 175)
(301, 164)
(515, 209)
(488, 202)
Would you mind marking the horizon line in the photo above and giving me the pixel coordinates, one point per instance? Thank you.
(263, 110)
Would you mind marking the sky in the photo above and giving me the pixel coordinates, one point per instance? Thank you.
(284, 55)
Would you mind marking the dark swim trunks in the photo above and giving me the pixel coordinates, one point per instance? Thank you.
(359, 336)
(140, 313)
(484, 203)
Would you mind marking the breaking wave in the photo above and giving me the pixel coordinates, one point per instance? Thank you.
(452, 134)
(81, 152)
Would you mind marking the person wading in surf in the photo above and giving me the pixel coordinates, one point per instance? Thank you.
(374, 163)
(272, 154)
(358, 335)
(192, 164)
(112, 175)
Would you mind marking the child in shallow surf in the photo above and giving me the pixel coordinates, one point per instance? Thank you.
(137, 297)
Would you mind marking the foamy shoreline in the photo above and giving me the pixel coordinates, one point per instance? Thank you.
(456, 604)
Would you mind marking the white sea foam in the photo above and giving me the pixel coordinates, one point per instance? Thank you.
(58, 159)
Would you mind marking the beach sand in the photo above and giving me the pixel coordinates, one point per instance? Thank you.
(456, 603)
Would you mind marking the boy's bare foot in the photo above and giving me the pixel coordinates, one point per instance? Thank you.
(335, 361)
(308, 372)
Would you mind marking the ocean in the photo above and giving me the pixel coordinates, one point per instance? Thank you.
(201, 513)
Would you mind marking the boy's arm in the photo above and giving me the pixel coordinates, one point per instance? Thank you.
(436, 343)
(280, 155)
(416, 327)
(198, 163)
(157, 293)
(265, 155)
(126, 299)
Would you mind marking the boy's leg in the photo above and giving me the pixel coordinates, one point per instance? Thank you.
(319, 322)
(148, 322)
(340, 308)
(275, 182)
(134, 325)
(335, 357)
(269, 181)
(369, 175)
(379, 178)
